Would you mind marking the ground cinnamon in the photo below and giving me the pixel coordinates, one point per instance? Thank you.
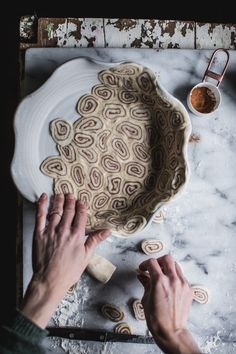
(203, 99)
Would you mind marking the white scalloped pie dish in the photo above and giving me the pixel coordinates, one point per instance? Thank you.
(58, 97)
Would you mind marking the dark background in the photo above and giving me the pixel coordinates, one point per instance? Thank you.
(9, 98)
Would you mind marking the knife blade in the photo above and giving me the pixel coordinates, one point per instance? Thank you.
(97, 335)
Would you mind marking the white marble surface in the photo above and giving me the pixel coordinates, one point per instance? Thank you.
(199, 229)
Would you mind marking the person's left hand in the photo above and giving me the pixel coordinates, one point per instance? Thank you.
(61, 252)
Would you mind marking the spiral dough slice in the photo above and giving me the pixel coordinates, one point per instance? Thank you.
(109, 79)
(77, 175)
(131, 188)
(141, 152)
(135, 169)
(87, 105)
(127, 97)
(145, 82)
(121, 148)
(67, 152)
(114, 184)
(140, 112)
(110, 164)
(134, 223)
(103, 92)
(54, 167)
(138, 310)
(100, 201)
(62, 132)
(152, 246)
(89, 124)
(131, 130)
(89, 155)
(119, 203)
(201, 294)
(85, 196)
(102, 140)
(64, 186)
(123, 328)
(96, 179)
(112, 312)
(83, 140)
(114, 111)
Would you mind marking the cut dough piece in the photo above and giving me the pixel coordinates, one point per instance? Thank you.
(152, 246)
(123, 328)
(138, 310)
(159, 217)
(62, 131)
(100, 268)
(201, 294)
(112, 312)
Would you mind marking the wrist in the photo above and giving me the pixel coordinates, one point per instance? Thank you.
(40, 301)
(179, 342)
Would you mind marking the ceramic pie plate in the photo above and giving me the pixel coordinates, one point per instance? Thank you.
(142, 119)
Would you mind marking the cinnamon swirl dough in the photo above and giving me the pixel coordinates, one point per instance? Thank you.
(124, 155)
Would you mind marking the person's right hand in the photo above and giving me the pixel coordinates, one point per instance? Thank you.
(167, 299)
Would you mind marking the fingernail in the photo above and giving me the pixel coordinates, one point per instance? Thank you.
(70, 196)
(43, 196)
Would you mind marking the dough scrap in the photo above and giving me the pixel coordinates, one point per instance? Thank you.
(123, 328)
(112, 312)
(152, 246)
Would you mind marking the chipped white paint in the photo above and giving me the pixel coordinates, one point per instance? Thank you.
(209, 36)
(83, 32)
(148, 33)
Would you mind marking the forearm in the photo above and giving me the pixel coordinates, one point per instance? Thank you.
(178, 343)
(40, 302)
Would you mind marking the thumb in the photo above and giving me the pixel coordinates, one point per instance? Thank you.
(95, 238)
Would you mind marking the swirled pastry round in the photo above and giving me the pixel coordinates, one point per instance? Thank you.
(124, 156)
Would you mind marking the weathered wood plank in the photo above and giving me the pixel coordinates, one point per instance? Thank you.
(71, 32)
(213, 35)
(138, 33)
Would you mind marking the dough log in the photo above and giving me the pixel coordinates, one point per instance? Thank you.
(100, 268)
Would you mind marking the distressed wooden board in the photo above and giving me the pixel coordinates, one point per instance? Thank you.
(138, 33)
(213, 35)
(70, 32)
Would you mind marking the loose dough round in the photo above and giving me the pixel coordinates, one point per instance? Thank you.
(123, 328)
(201, 294)
(112, 312)
(138, 310)
(152, 246)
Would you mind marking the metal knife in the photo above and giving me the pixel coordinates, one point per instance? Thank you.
(97, 335)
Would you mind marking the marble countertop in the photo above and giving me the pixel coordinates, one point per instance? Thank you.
(199, 226)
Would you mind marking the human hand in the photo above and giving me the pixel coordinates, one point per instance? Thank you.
(167, 300)
(61, 252)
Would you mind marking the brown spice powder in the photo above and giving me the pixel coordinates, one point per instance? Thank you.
(203, 99)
